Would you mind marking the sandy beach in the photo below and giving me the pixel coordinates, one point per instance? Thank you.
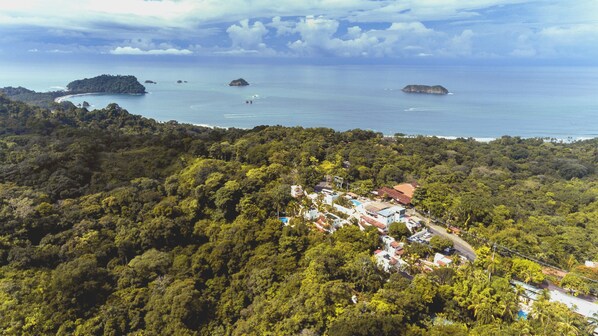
(67, 97)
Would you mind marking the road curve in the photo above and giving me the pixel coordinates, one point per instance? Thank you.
(460, 245)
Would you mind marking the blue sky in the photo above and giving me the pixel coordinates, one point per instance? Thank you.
(370, 30)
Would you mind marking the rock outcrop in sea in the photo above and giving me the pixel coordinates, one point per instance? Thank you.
(238, 82)
(436, 89)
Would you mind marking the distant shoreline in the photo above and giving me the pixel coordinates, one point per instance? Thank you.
(66, 97)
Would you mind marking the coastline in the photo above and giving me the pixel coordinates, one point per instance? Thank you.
(447, 137)
(67, 97)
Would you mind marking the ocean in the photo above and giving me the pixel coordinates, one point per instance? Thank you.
(484, 102)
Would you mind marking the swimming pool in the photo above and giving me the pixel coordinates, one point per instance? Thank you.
(284, 220)
(356, 202)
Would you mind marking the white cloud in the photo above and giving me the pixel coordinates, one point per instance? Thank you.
(460, 45)
(571, 33)
(410, 27)
(282, 27)
(136, 51)
(317, 38)
(244, 36)
(340, 27)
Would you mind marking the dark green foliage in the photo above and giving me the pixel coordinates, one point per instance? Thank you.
(398, 230)
(439, 243)
(107, 84)
(41, 99)
(115, 224)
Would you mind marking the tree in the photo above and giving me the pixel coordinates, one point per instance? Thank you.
(398, 230)
(439, 243)
(554, 318)
(81, 283)
(527, 271)
(575, 284)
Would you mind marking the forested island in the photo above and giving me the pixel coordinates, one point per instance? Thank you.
(426, 89)
(107, 84)
(115, 224)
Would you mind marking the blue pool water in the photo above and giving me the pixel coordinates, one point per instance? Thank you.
(284, 220)
(522, 315)
(356, 202)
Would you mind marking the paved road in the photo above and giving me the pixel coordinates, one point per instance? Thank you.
(460, 245)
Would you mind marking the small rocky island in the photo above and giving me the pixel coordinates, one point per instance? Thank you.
(150, 82)
(107, 84)
(436, 89)
(238, 82)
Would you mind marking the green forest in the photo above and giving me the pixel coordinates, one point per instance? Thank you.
(107, 84)
(115, 224)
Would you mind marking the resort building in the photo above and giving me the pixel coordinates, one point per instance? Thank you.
(296, 191)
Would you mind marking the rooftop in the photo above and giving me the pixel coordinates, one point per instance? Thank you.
(406, 188)
(396, 195)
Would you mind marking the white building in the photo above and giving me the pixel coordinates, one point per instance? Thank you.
(381, 212)
(296, 191)
(388, 262)
(329, 196)
(441, 260)
(312, 214)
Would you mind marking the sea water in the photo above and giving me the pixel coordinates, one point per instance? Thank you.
(484, 101)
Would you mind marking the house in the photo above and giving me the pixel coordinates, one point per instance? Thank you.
(382, 212)
(365, 221)
(385, 260)
(387, 240)
(342, 209)
(334, 220)
(388, 262)
(312, 214)
(296, 191)
(398, 197)
(323, 225)
(379, 214)
(441, 260)
(352, 195)
(392, 246)
(407, 190)
(399, 248)
(322, 185)
(329, 196)
(329, 222)
(412, 223)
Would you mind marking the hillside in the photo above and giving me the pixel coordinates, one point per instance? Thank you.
(40, 99)
(111, 223)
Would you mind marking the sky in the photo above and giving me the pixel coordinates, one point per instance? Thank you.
(362, 30)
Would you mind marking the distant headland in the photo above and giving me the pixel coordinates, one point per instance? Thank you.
(107, 84)
(436, 89)
(238, 82)
(115, 84)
